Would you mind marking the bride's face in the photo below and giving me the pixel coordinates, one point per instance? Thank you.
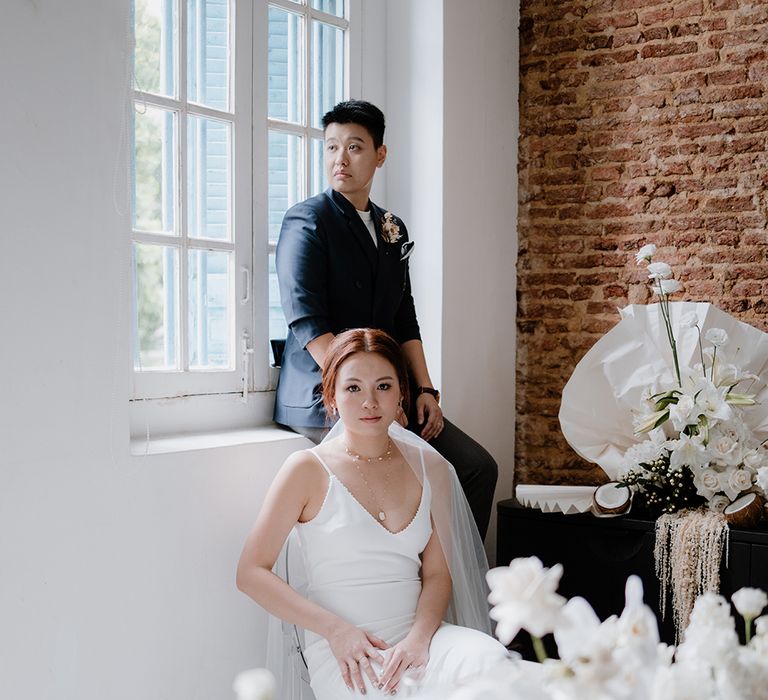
(367, 393)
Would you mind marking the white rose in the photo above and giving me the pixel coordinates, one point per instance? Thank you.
(645, 253)
(726, 451)
(524, 597)
(659, 271)
(754, 460)
(718, 503)
(717, 336)
(740, 479)
(667, 287)
(256, 684)
(749, 602)
(707, 482)
(762, 479)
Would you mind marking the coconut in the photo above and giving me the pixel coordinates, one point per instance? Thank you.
(745, 511)
(611, 499)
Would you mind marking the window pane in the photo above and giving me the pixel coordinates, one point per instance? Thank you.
(153, 169)
(155, 290)
(155, 52)
(208, 53)
(317, 166)
(284, 65)
(285, 177)
(332, 7)
(209, 158)
(327, 69)
(278, 328)
(210, 310)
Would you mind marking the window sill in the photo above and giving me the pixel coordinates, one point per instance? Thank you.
(190, 442)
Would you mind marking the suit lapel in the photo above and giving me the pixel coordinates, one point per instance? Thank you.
(356, 227)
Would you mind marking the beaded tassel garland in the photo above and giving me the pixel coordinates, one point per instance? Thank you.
(688, 551)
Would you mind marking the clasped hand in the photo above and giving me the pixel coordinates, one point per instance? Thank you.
(357, 650)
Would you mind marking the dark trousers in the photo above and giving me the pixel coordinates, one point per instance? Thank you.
(476, 469)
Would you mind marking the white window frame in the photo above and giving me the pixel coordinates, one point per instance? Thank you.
(163, 402)
(350, 24)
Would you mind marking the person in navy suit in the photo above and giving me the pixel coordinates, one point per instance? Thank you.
(342, 262)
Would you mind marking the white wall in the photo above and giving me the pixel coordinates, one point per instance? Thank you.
(117, 572)
(452, 75)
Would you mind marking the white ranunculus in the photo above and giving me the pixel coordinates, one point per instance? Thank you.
(645, 253)
(255, 684)
(524, 597)
(683, 412)
(739, 480)
(762, 479)
(659, 271)
(707, 482)
(749, 602)
(718, 502)
(688, 320)
(667, 287)
(717, 336)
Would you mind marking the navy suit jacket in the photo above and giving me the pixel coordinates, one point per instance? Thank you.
(332, 277)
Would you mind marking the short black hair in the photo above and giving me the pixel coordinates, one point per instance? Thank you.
(367, 115)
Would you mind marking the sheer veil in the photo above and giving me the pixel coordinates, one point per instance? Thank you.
(460, 541)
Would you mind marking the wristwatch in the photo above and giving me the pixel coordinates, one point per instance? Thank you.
(428, 390)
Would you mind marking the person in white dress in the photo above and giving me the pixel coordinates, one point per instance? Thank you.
(389, 547)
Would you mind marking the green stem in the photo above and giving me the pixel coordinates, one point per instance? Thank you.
(701, 353)
(538, 647)
(714, 357)
(670, 335)
(747, 629)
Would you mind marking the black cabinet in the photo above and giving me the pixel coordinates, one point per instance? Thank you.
(598, 554)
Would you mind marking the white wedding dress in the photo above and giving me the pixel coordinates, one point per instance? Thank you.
(369, 576)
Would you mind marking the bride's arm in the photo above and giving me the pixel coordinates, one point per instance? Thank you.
(284, 504)
(435, 591)
(413, 651)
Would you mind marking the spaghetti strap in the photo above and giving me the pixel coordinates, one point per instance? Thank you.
(314, 452)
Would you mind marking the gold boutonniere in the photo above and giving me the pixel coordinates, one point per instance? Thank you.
(390, 231)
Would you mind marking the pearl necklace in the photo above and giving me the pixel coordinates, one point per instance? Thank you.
(384, 457)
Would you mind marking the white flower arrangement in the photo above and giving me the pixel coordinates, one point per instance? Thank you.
(621, 658)
(697, 446)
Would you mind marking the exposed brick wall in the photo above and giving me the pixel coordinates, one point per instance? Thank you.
(641, 121)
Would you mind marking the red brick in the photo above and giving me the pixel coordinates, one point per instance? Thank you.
(671, 49)
(724, 5)
(606, 172)
(752, 125)
(689, 9)
(727, 77)
(759, 72)
(685, 63)
(729, 204)
(657, 16)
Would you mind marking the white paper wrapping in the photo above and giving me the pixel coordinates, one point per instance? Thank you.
(607, 385)
(555, 499)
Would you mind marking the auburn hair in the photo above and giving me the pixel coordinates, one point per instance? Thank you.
(350, 342)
